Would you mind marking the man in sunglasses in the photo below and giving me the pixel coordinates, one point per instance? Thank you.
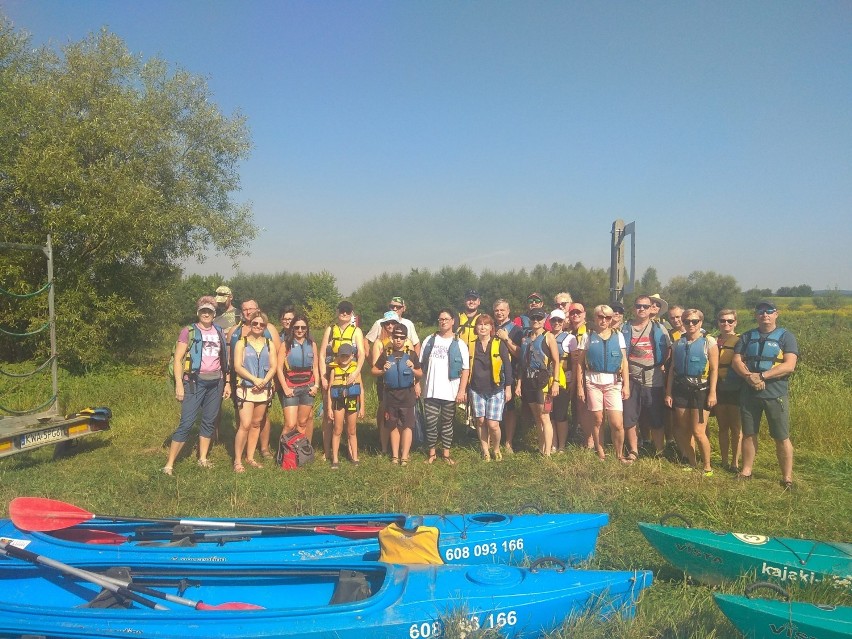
(648, 351)
(765, 357)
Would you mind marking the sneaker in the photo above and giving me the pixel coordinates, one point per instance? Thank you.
(708, 473)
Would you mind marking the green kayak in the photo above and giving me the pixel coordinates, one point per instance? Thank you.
(712, 557)
(771, 619)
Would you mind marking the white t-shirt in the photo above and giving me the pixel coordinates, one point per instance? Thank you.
(567, 348)
(600, 379)
(438, 384)
(376, 329)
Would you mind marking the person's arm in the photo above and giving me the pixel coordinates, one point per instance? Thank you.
(358, 335)
(669, 385)
(378, 368)
(326, 336)
(180, 353)
(625, 375)
(280, 368)
(315, 388)
(713, 358)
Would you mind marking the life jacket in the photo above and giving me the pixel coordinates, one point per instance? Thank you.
(256, 363)
(658, 343)
(237, 334)
(675, 334)
(299, 363)
(338, 374)
(726, 356)
(466, 329)
(536, 361)
(338, 337)
(399, 375)
(601, 355)
(455, 361)
(194, 348)
(497, 375)
(762, 352)
(690, 359)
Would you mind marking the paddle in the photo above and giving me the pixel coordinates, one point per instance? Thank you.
(41, 514)
(117, 586)
(90, 536)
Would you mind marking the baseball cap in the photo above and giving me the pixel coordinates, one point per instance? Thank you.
(222, 294)
(390, 316)
(768, 304)
(538, 313)
(617, 307)
(534, 297)
(206, 302)
(346, 349)
(345, 307)
(398, 300)
(472, 294)
(400, 330)
(557, 313)
(576, 306)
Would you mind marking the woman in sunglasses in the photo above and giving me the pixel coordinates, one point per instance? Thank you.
(691, 388)
(727, 409)
(604, 382)
(538, 379)
(255, 365)
(298, 376)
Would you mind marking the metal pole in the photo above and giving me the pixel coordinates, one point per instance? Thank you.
(616, 266)
(54, 367)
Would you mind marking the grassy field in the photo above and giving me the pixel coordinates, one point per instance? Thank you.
(118, 472)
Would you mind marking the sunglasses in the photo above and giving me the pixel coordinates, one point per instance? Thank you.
(344, 312)
(395, 307)
(556, 320)
(563, 303)
(260, 324)
(766, 311)
(537, 319)
(643, 307)
(205, 311)
(576, 312)
(727, 321)
(604, 317)
(691, 322)
(400, 336)
(300, 328)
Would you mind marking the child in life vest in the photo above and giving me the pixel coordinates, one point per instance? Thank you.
(343, 405)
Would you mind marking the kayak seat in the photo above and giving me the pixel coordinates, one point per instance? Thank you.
(107, 599)
(183, 542)
(352, 586)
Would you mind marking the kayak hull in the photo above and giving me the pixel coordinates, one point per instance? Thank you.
(417, 602)
(712, 557)
(770, 619)
(464, 539)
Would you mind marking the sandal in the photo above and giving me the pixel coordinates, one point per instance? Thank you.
(741, 477)
(253, 463)
(633, 455)
(625, 460)
(786, 484)
(267, 454)
(449, 460)
(205, 463)
(335, 465)
(498, 456)
(168, 470)
(239, 468)
(403, 461)
(395, 460)
(431, 459)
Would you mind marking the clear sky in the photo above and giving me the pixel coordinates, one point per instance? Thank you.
(416, 134)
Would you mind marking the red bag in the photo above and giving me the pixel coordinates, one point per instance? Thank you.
(294, 450)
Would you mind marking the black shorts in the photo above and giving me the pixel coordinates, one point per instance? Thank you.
(644, 406)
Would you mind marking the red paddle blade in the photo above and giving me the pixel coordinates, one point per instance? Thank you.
(90, 536)
(352, 531)
(40, 514)
(231, 605)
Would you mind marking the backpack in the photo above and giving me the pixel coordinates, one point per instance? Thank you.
(294, 451)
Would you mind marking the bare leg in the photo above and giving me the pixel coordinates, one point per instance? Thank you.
(482, 429)
(616, 431)
(352, 435)
(494, 437)
(749, 453)
(784, 452)
(699, 434)
(510, 418)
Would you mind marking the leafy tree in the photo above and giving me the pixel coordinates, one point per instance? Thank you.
(704, 290)
(752, 296)
(803, 290)
(832, 299)
(131, 169)
(650, 283)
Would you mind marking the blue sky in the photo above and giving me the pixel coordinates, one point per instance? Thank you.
(506, 134)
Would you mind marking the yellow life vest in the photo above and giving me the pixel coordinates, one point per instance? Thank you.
(338, 374)
(496, 361)
(466, 330)
(401, 546)
(338, 337)
(726, 353)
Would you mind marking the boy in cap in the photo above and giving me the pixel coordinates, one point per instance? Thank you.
(399, 369)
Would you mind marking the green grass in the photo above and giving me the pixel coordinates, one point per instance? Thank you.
(117, 472)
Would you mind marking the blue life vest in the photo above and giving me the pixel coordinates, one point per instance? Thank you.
(455, 363)
(532, 353)
(399, 375)
(762, 352)
(257, 364)
(690, 358)
(601, 356)
(299, 365)
(560, 343)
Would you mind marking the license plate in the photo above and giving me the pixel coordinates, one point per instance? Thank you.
(42, 437)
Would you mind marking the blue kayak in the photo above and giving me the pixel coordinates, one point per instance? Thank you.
(316, 601)
(463, 539)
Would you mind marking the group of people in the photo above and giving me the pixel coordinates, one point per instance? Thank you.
(656, 378)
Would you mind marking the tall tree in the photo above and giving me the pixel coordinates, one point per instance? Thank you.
(705, 290)
(130, 167)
